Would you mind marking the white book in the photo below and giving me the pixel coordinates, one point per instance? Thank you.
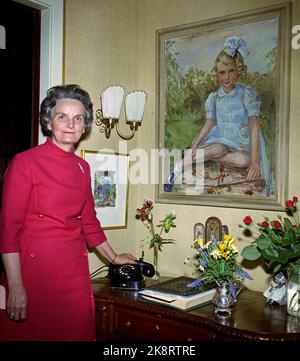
(181, 302)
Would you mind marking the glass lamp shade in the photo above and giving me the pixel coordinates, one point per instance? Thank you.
(111, 100)
(134, 105)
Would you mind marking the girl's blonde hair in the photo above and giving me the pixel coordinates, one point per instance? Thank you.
(224, 58)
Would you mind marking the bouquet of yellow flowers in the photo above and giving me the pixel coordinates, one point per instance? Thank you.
(217, 263)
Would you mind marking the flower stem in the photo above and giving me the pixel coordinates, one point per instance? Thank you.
(151, 224)
(155, 259)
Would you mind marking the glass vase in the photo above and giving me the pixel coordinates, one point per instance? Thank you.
(223, 300)
(155, 263)
(293, 292)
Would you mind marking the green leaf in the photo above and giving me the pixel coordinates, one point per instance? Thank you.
(276, 237)
(167, 240)
(296, 263)
(296, 247)
(272, 260)
(277, 268)
(287, 224)
(263, 243)
(284, 256)
(293, 236)
(287, 239)
(270, 252)
(251, 253)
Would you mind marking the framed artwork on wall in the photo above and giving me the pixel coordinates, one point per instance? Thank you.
(109, 181)
(224, 142)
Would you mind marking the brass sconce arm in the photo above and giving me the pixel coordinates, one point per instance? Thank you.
(106, 125)
(133, 126)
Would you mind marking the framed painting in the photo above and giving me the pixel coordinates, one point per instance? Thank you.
(109, 182)
(222, 120)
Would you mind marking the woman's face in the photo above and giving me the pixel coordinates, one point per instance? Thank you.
(227, 76)
(67, 123)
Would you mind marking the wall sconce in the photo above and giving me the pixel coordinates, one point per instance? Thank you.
(111, 102)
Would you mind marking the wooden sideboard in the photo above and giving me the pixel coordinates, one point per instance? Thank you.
(122, 315)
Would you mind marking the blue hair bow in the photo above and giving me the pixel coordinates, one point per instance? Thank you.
(234, 44)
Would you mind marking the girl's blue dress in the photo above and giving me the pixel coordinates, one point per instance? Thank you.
(231, 112)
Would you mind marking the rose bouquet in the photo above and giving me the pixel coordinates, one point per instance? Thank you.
(277, 241)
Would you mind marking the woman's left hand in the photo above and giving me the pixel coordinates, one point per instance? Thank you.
(253, 171)
(124, 258)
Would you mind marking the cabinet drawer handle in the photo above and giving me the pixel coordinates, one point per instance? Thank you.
(128, 324)
(157, 327)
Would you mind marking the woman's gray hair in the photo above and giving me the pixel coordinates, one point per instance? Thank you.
(70, 91)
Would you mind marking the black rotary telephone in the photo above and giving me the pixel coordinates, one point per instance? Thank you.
(130, 276)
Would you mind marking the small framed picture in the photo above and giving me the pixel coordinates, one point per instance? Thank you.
(109, 181)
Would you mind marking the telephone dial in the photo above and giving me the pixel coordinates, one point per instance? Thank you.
(130, 276)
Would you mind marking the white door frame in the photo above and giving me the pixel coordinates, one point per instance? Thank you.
(51, 56)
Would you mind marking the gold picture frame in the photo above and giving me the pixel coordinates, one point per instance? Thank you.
(109, 182)
(184, 58)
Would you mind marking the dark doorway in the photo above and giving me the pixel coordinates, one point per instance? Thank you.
(19, 72)
(19, 91)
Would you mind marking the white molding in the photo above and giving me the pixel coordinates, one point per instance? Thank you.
(2, 37)
(51, 56)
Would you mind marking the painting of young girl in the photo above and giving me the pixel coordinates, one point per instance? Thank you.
(231, 136)
(219, 110)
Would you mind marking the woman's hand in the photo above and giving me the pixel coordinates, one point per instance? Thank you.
(124, 258)
(112, 256)
(16, 303)
(17, 299)
(253, 171)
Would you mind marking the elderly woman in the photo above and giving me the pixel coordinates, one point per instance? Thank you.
(47, 221)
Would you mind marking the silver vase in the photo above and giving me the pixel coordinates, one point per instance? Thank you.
(223, 300)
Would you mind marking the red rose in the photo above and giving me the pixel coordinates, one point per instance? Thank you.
(265, 224)
(247, 220)
(295, 199)
(277, 224)
(289, 204)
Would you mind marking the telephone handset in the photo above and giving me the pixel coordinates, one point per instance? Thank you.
(130, 276)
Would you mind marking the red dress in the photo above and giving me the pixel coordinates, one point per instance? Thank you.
(48, 216)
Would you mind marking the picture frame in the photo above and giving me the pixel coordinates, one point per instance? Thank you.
(109, 182)
(185, 55)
